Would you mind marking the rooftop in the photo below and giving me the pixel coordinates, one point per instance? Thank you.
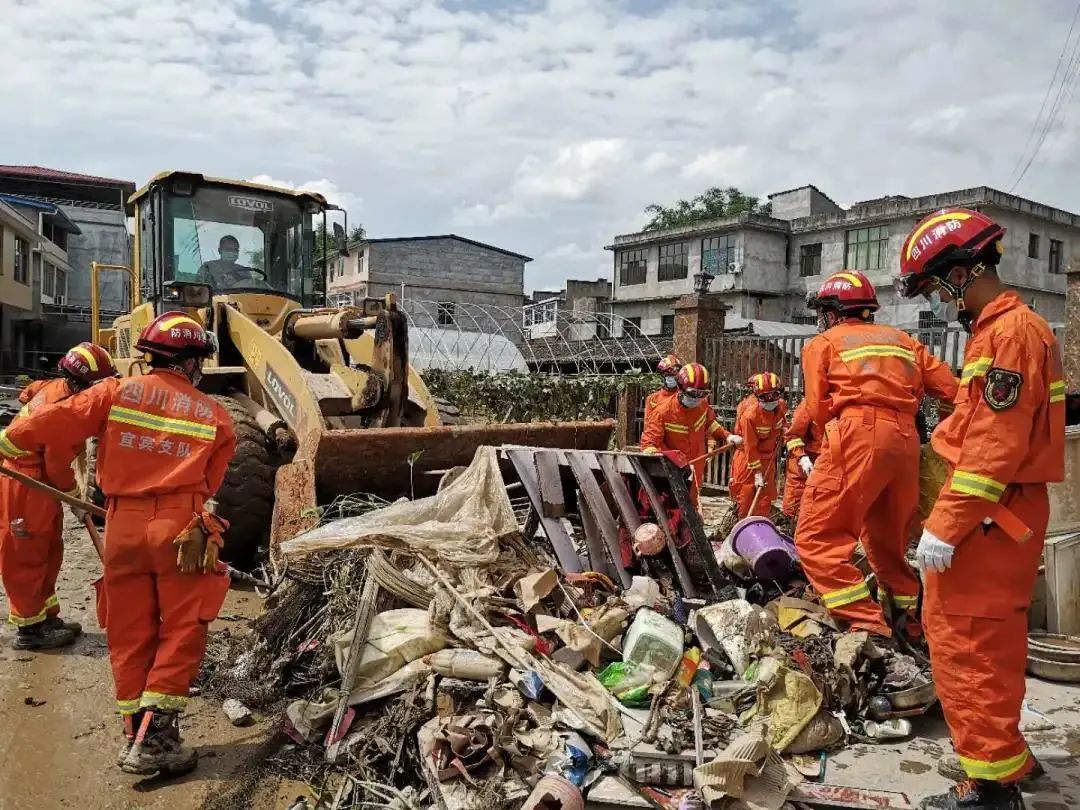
(59, 176)
(800, 188)
(473, 242)
(60, 219)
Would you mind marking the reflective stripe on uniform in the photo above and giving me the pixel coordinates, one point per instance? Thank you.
(753, 465)
(763, 431)
(170, 703)
(980, 486)
(878, 350)
(1057, 391)
(905, 602)
(128, 706)
(700, 423)
(995, 771)
(845, 596)
(180, 427)
(52, 602)
(24, 410)
(795, 444)
(714, 427)
(675, 427)
(8, 448)
(976, 368)
(651, 451)
(26, 621)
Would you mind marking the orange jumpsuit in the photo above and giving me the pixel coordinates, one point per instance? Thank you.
(164, 448)
(656, 397)
(761, 431)
(802, 439)
(32, 552)
(1005, 441)
(670, 426)
(863, 385)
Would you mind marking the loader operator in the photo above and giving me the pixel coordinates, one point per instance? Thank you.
(982, 544)
(759, 419)
(224, 273)
(164, 449)
(863, 385)
(687, 424)
(668, 369)
(803, 444)
(31, 522)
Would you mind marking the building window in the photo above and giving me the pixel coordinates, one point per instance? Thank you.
(632, 267)
(22, 260)
(928, 321)
(1056, 249)
(674, 262)
(867, 248)
(810, 260)
(809, 320)
(631, 327)
(447, 310)
(543, 312)
(1033, 245)
(667, 325)
(48, 281)
(61, 284)
(718, 254)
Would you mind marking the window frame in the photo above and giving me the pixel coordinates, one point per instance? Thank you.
(446, 313)
(712, 244)
(870, 241)
(21, 269)
(631, 260)
(673, 252)
(665, 320)
(1034, 245)
(632, 327)
(804, 255)
(1055, 256)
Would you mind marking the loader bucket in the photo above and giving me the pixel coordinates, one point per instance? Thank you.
(377, 461)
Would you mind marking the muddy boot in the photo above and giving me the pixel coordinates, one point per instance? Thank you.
(41, 636)
(975, 794)
(950, 768)
(131, 725)
(57, 622)
(160, 750)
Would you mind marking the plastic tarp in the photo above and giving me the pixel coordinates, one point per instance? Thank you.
(460, 525)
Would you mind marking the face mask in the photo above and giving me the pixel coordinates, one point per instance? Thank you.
(942, 310)
(229, 256)
(770, 406)
(670, 383)
(688, 401)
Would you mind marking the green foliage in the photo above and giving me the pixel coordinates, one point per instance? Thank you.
(716, 203)
(357, 234)
(532, 397)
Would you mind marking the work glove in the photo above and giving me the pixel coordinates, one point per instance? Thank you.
(198, 546)
(734, 440)
(933, 553)
(759, 480)
(806, 465)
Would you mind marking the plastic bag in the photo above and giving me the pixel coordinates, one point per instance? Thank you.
(629, 682)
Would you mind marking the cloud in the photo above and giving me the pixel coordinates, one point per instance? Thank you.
(543, 124)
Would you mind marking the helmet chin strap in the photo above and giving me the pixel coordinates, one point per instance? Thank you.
(964, 315)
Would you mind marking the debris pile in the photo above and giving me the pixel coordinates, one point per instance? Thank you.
(438, 653)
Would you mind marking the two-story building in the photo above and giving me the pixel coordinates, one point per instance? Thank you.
(763, 266)
(579, 311)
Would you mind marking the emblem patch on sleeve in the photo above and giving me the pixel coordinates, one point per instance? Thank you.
(1002, 388)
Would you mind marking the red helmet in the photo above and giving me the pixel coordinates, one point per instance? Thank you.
(669, 365)
(176, 336)
(87, 363)
(943, 240)
(766, 385)
(845, 291)
(694, 379)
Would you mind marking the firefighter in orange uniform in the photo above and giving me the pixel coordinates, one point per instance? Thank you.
(863, 385)
(164, 449)
(31, 522)
(803, 443)
(760, 420)
(668, 368)
(687, 424)
(982, 544)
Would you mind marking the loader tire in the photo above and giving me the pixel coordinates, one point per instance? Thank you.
(246, 496)
(448, 412)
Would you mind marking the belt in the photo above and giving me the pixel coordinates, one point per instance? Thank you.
(871, 413)
(170, 500)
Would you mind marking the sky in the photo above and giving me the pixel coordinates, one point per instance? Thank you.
(542, 126)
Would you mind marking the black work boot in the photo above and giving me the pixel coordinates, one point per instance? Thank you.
(977, 794)
(41, 636)
(160, 750)
(57, 622)
(950, 768)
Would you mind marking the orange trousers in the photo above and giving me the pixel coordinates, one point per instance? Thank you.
(976, 623)
(31, 553)
(865, 485)
(794, 486)
(156, 617)
(742, 489)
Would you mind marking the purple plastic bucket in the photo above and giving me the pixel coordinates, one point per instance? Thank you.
(770, 554)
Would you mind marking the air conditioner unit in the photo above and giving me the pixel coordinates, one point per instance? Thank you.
(734, 267)
(58, 300)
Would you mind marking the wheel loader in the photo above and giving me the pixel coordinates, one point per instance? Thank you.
(323, 399)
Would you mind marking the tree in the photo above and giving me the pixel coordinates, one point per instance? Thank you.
(357, 234)
(716, 203)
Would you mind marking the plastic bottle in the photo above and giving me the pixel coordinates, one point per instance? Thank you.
(895, 729)
(688, 666)
(654, 641)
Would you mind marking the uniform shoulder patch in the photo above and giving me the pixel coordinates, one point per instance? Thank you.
(1002, 388)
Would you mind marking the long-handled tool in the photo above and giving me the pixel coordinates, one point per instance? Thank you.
(712, 453)
(263, 586)
(757, 494)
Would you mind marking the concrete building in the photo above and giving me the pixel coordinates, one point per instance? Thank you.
(580, 311)
(764, 265)
(445, 281)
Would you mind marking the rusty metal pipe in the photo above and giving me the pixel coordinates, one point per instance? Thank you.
(270, 423)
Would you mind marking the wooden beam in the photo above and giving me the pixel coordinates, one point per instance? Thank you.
(551, 486)
(598, 506)
(683, 573)
(561, 542)
(681, 490)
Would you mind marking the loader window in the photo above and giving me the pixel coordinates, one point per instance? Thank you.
(237, 240)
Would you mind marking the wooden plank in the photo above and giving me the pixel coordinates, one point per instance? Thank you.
(598, 506)
(624, 501)
(551, 486)
(532, 523)
(594, 539)
(681, 490)
(365, 613)
(556, 532)
(681, 571)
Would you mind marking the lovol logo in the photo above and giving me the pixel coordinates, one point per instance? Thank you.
(282, 396)
(251, 203)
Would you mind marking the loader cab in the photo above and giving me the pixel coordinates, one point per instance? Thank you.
(234, 236)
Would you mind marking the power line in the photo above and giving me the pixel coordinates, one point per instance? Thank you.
(1067, 78)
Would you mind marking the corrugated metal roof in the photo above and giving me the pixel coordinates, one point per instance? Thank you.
(58, 176)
